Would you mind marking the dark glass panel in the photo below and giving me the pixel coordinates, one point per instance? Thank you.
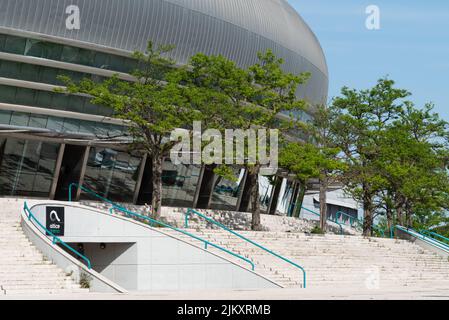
(179, 184)
(112, 174)
(70, 54)
(226, 192)
(5, 117)
(20, 119)
(25, 97)
(27, 167)
(9, 69)
(7, 94)
(15, 45)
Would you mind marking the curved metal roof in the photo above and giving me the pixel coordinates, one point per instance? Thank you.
(237, 29)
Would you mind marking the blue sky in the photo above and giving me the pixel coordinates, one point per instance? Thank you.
(412, 46)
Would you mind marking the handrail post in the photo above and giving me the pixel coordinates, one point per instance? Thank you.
(187, 215)
(70, 192)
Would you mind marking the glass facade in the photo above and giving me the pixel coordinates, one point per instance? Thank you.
(179, 184)
(112, 174)
(27, 167)
(265, 192)
(226, 193)
(286, 202)
(59, 124)
(64, 53)
(41, 74)
(51, 100)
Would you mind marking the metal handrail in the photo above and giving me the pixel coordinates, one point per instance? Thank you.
(206, 243)
(56, 239)
(191, 211)
(433, 242)
(328, 218)
(349, 217)
(434, 234)
(157, 222)
(359, 222)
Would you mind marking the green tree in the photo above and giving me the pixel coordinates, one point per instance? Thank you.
(317, 157)
(363, 116)
(262, 96)
(154, 104)
(413, 161)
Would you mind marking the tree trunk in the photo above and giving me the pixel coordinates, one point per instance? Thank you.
(368, 213)
(409, 215)
(323, 205)
(156, 201)
(389, 219)
(253, 179)
(300, 199)
(399, 205)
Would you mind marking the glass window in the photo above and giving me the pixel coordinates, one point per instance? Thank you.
(60, 101)
(2, 42)
(25, 97)
(55, 124)
(20, 119)
(37, 121)
(179, 184)
(7, 94)
(117, 63)
(101, 60)
(27, 167)
(5, 117)
(44, 99)
(35, 48)
(70, 54)
(71, 125)
(29, 72)
(76, 104)
(86, 57)
(49, 75)
(265, 192)
(112, 174)
(15, 45)
(285, 202)
(226, 193)
(9, 69)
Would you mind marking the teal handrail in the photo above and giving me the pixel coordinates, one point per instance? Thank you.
(191, 211)
(434, 234)
(359, 222)
(349, 218)
(206, 243)
(157, 222)
(328, 218)
(433, 242)
(56, 239)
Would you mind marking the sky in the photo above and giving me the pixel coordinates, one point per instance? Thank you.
(411, 46)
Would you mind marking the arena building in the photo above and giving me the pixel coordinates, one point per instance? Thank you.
(49, 140)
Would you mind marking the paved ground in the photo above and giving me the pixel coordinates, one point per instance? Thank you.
(274, 294)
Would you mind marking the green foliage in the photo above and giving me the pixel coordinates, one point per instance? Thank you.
(317, 230)
(396, 155)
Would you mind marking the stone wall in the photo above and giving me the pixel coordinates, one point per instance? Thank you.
(233, 220)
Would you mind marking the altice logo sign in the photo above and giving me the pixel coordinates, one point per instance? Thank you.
(236, 147)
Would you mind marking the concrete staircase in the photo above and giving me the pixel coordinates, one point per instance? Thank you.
(333, 261)
(23, 269)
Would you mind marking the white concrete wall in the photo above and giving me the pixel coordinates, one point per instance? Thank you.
(138, 257)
